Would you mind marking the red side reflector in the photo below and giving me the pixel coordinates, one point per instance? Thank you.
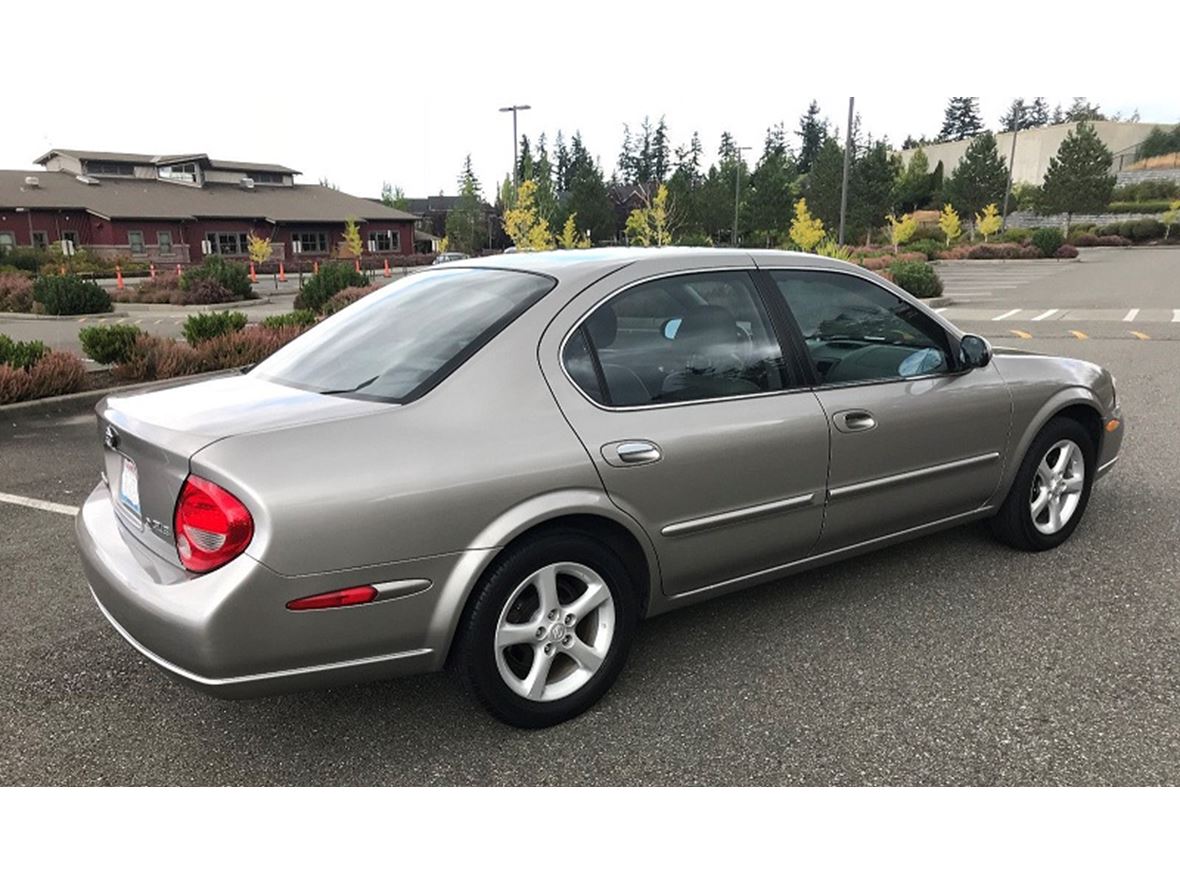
(334, 599)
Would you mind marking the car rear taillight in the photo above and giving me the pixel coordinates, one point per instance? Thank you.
(211, 525)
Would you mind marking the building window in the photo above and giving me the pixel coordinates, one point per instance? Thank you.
(40, 239)
(179, 172)
(70, 236)
(164, 241)
(384, 241)
(266, 177)
(227, 244)
(7, 241)
(99, 167)
(311, 241)
(135, 241)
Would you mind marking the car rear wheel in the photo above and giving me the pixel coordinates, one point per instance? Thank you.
(1049, 495)
(548, 630)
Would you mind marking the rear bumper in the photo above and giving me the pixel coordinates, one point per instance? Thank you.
(228, 633)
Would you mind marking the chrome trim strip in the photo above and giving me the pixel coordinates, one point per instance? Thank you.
(400, 589)
(768, 573)
(1106, 467)
(254, 677)
(716, 520)
(920, 473)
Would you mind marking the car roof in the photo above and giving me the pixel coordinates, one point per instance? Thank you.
(608, 258)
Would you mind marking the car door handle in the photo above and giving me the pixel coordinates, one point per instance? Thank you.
(631, 452)
(854, 421)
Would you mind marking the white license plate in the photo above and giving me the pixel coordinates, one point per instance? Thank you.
(129, 486)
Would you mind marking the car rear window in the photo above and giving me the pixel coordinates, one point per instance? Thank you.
(397, 343)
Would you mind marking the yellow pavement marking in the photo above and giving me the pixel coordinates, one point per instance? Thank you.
(1141, 336)
(1081, 336)
(1020, 334)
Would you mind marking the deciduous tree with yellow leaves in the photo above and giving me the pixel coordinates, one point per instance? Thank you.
(806, 232)
(527, 230)
(901, 230)
(948, 223)
(352, 245)
(571, 237)
(651, 225)
(260, 248)
(989, 221)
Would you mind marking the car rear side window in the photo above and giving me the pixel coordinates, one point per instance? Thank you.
(677, 339)
(402, 340)
(857, 331)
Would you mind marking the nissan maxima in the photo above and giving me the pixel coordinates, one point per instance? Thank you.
(501, 466)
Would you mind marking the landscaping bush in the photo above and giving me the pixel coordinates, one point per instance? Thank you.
(69, 295)
(21, 354)
(1047, 240)
(929, 248)
(1066, 251)
(28, 260)
(1084, 239)
(1113, 240)
(322, 285)
(243, 347)
(345, 297)
(1002, 251)
(1147, 229)
(153, 358)
(164, 289)
(203, 326)
(1014, 235)
(1146, 207)
(299, 319)
(1108, 230)
(53, 374)
(916, 277)
(16, 292)
(1152, 189)
(231, 276)
(108, 344)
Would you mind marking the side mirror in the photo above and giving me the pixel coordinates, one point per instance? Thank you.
(974, 352)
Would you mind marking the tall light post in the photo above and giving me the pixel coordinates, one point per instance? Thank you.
(515, 144)
(1011, 161)
(847, 160)
(737, 194)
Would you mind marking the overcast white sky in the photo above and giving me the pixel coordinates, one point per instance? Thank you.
(400, 92)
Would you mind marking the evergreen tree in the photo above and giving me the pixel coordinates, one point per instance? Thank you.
(1082, 110)
(524, 163)
(824, 181)
(727, 149)
(812, 132)
(961, 120)
(1038, 112)
(1158, 142)
(561, 177)
(771, 189)
(661, 164)
(979, 179)
(915, 187)
(546, 195)
(871, 184)
(465, 222)
(1079, 178)
(588, 198)
(1058, 116)
(1018, 117)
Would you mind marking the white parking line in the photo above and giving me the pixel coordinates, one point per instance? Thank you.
(1131, 314)
(1045, 315)
(1176, 316)
(1006, 314)
(38, 504)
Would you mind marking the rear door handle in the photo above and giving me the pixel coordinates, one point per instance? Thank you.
(630, 452)
(854, 421)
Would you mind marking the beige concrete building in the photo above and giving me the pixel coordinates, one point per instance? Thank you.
(1035, 147)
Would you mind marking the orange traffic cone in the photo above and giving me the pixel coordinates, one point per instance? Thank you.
(282, 273)
(119, 277)
(253, 276)
(152, 271)
(387, 273)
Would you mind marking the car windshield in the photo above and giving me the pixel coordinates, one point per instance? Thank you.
(402, 340)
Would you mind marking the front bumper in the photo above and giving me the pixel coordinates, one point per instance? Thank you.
(229, 632)
(1111, 444)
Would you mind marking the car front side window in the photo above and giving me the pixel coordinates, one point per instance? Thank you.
(856, 331)
(678, 339)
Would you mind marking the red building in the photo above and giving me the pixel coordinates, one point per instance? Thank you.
(177, 208)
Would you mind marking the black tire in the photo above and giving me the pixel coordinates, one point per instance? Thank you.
(475, 659)
(1013, 524)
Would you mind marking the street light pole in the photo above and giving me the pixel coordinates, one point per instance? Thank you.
(515, 144)
(737, 194)
(1011, 161)
(847, 159)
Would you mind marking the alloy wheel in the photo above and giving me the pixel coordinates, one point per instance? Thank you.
(1057, 487)
(554, 631)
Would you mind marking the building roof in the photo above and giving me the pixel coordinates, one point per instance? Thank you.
(439, 203)
(162, 160)
(149, 198)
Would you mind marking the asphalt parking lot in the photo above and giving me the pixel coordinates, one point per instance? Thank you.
(948, 660)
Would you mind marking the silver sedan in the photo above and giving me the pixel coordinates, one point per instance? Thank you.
(502, 465)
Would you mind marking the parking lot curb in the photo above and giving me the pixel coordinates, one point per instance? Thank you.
(70, 317)
(85, 400)
(132, 307)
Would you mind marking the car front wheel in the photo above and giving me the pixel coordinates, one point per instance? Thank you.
(548, 630)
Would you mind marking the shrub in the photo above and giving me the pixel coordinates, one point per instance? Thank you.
(243, 347)
(1085, 239)
(322, 285)
(1113, 240)
(52, 375)
(153, 358)
(229, 275)
(917, 278)
(345, 297)
(299, 319)
(1066, 251)
(1002, 251)
(28, 260)
(1147, 206)
(1127, 229)
(15, 385)
(1047, 240)
(164, 289)
(1147, 229)
(108, 344)
(203, 326)
(16, 292)
(1108, 230)
(21, 354)
(1015, 235)
(69, 295)
(929, 248)
(1152, 189)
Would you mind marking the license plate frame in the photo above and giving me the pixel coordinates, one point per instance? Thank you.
(129, 487)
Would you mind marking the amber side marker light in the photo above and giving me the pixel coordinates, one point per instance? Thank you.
(334, 599)
(1112, 425)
